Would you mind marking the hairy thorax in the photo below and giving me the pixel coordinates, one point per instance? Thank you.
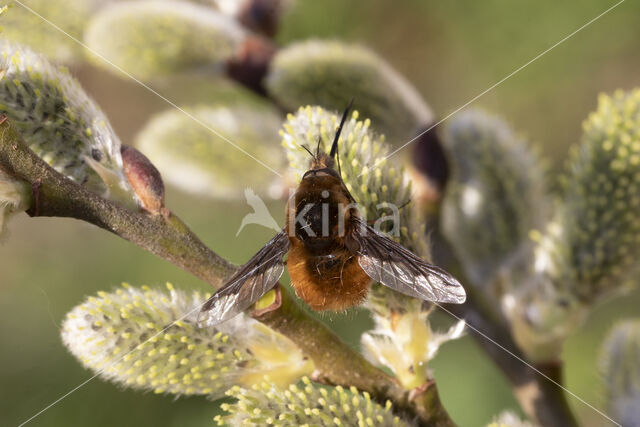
(323, 271)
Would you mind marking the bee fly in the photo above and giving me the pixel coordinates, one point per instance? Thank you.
(334, 255)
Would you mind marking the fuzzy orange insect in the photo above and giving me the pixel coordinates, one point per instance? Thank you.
(334, 256)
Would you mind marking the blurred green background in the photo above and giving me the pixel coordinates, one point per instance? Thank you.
(451, 51)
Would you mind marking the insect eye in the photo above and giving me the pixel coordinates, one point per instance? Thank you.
(321, 172)
(96, 154)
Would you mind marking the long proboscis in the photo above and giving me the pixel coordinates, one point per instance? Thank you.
(334, 146)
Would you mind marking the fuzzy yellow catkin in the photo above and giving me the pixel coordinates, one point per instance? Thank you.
(620, 367)
(305, 404)
(150, 340)
(59, 121)
(594, 238)
(330, 73)
(509, 419)
(590, 247)
(152, 39)
(15, 196)
(200, 161)
(405, 342)
(495, 196)
(24, 26)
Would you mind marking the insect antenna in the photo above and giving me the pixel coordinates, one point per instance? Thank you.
(318, 147)
(308, 151)
(405, 204)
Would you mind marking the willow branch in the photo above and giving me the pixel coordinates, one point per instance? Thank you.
(168, 237)
(55, 195)
(338, 364)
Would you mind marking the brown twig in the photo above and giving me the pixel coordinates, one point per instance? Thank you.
(261, 16)
(337, 364)
(169, 238)
(250, 63)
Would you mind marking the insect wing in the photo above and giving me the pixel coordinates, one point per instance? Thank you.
(249, 283)
(389, 263)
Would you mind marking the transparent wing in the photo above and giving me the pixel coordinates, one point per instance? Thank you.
(389, 263)
(249, 283)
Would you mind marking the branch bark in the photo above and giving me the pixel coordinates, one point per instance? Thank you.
(338, 364)
(169, 238)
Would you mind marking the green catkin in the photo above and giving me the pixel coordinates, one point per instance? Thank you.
(589, 248)
(304, 404)
(26, 27)
(330, 73)
(15, 196)
(150, 340)
(509, 419)
(620, 366)
(592, 242)
(152, 39)
(197, 160)
(495, 196)
(59, 121)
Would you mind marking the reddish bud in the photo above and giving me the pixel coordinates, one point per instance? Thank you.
(261, 16)
(144, 178)
(250, 63)
(430, 163)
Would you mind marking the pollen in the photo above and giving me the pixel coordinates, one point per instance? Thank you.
(314, 404)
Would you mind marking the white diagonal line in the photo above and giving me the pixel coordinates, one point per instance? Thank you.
(507, 77)
(149, 88)
(104, 369)
(138, 347)
(391, 154)
(515, 356)
(484, 92)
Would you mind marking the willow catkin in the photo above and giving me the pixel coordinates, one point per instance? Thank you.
(59, 121)
(330, 73)
(307, 404)
(149, 339)
(152, 39)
